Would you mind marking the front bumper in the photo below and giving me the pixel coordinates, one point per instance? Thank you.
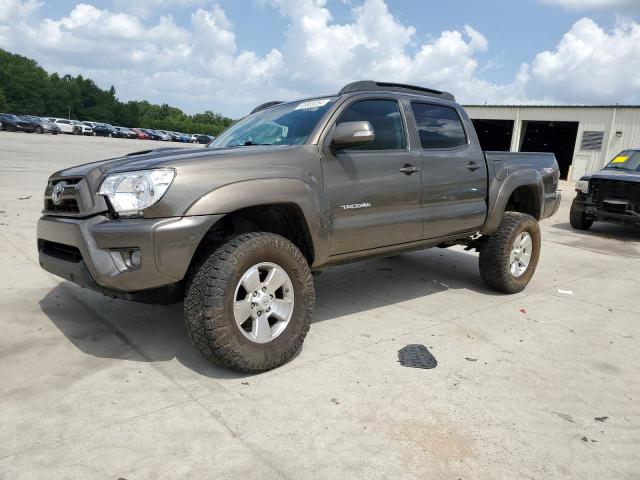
(88, 252)
(628, 217)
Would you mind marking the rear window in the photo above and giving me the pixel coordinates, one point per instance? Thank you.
(438, 126)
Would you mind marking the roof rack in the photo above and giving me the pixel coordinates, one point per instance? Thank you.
(369, 85)
(266, 105)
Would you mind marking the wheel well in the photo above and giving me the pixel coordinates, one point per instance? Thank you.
(283, 219)
(525, 200)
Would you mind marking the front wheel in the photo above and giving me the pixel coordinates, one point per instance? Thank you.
(510, 255)
(39, 130)
(248, 304)
(578, 217)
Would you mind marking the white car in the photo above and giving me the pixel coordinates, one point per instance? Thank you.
(66, 126)
(82, 128)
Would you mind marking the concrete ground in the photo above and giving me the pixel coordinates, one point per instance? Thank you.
(539, 385)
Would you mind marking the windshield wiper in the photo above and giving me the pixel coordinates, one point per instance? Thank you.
(248, 143)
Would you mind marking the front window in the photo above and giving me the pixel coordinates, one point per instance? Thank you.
(384, 116)
(628, 160)
(288, 124)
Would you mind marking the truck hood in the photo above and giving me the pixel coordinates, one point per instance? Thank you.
(154, 158)
(622, 175)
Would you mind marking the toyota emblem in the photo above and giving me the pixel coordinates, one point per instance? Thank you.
(56, 195)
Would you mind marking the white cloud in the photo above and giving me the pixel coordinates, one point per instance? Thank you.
(594, 4)
(15, 9)
(590, 65)
(324, 55)
(200, 66)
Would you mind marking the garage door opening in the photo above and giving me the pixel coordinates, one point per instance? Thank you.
(494, 135)
(556, 137)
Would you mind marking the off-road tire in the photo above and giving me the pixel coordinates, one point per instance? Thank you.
(495, 252)
(578, 218)
(209, 298)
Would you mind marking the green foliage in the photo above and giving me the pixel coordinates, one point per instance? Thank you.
(25, 88)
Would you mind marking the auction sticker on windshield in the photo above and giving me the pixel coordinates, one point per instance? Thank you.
(313, 104)
(620, 159)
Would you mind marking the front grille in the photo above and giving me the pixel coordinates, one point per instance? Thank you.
(67, 206)
(603, 190)
(68, 203)
(68, 253)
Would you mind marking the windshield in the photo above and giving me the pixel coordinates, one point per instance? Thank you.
(289, 124)
(628, 160)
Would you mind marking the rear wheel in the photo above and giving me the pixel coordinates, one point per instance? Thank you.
(39, 129)
(509, 256)
(248, 304)
(578, 217)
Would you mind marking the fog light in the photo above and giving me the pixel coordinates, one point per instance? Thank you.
(136, 258)
(132, 258)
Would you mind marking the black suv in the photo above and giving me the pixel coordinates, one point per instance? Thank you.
(610, 195)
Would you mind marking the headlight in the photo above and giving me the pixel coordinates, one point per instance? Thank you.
(131, 192)
(582, 186)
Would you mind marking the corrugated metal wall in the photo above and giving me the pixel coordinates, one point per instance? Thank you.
(604, 119)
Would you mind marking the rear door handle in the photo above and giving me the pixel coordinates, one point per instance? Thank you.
(409, 169)
(473, 166)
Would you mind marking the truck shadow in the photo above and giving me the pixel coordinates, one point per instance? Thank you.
(611, 231)
(117, 329)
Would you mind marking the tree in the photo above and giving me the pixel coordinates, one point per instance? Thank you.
(26, 88)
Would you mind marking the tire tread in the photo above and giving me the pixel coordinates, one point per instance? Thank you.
(205, 298)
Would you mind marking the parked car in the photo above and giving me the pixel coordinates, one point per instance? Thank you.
(153, 135)
(610, 195)
(184, 137)
(175, 137)
(42, 125)
(65, 126)
(104, 130)
(308, 184)
(142, 135)
(194, 137)
(13, 123)
(204, 139)
(164, 136)
(91, 124)
(124, 132)
(80, 128)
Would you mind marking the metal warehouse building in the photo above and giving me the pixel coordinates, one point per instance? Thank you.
(583, 138)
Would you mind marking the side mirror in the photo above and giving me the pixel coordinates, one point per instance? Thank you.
(353, 133)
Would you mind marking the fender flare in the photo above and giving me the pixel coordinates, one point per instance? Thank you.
(519, 178)
(251, 193)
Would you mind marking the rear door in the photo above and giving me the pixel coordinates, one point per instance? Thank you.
(454, 171)
(373, 190)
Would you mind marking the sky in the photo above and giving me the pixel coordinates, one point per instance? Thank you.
(230, 55)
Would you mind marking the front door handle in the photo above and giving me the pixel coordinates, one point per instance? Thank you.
(473, 166)
(409, 169)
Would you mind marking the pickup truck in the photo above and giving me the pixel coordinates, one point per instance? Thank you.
(610, 195)
(236, 229)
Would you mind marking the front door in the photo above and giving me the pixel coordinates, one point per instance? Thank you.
(373, 189)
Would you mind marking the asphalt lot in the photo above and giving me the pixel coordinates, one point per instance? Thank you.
(99, 388)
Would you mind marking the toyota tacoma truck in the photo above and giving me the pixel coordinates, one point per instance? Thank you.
(610, 195)
(236, 229)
